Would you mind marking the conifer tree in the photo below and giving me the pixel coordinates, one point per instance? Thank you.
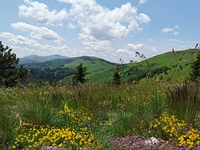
(79, 75)
(9, 74)
(195, 73)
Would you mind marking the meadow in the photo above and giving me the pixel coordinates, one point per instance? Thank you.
(151, 115)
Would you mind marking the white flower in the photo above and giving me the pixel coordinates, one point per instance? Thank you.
(151, 141)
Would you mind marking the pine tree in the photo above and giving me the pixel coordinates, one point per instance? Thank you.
(9, 74)
(116, 76)
(195, 73)
(80, 74)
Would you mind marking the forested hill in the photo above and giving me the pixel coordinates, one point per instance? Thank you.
(170, 66)
(63, 68)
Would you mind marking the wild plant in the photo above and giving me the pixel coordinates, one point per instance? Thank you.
(8, 120)
(184, 100)
(35, 105)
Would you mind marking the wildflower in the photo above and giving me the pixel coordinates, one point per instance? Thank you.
(13, 147)
(151, 141)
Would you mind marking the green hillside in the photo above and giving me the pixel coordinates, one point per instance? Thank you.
(59, 69)
(167, 66)
(170, 66)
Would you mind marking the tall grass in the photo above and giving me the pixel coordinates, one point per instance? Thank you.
(122, 106)
(184, 100)
(36, 104)
(8, 120)
(122, 110)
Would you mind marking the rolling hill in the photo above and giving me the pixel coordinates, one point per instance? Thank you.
(36, 58)
(170, 66)
(63, 69)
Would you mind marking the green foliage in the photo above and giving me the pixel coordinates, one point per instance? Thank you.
(195, 73)
(40, 101)
(116, 76)
(8, 121)
(79, 75)
(54, 115)
(184, 100)
(168, 67)
(8, 72)
(7, 124)
(52, 75)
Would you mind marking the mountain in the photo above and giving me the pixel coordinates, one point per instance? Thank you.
(36, 58)
(59, 69)
(170, 66)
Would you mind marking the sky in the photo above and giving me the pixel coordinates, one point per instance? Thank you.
(114, 30)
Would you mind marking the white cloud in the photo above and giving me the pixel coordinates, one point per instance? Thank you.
(128, 49)
(143, 18)
(31, 46)
(71, 26)
(122, 51)
(102, 25)
(167, 30)
(39, 13)
(170, 30)
(37, 32)
(142, 2)
(135, 46)
(94, 44)
(18, 39)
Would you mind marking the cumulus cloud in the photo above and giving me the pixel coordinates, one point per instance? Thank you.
(37, 32)
(18, 39)
(102, 25)
(143, 18)
(130, 49)
(170, 30)
(95, 44)
(40, 13)
(31, 46)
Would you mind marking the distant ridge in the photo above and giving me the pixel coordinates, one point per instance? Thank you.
(36, 58)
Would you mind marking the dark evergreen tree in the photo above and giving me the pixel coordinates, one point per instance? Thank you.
(116, 76)
(79, 75)
(195, 73)
(9, 74)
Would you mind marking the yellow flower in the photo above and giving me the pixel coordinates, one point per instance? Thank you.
(13, 147)
(155, 126)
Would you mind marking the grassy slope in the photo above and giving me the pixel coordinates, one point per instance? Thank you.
(179, 64)
(99, 70)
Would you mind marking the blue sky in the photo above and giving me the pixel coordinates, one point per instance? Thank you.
(102, 28)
